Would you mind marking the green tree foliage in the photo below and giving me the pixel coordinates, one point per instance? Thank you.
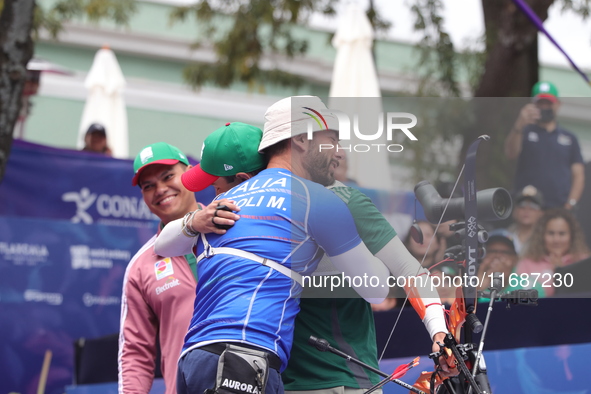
(440, 69)
(250, 37)
(16, 48)
(437, 55)
(505, 66)
(53, 16)
(20, 22)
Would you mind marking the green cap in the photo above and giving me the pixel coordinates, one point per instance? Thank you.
(158, 153)
(227, 151)
(545, 90)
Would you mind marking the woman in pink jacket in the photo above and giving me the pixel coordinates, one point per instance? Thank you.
(557, 241)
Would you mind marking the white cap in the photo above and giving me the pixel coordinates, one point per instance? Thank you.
(292, 116)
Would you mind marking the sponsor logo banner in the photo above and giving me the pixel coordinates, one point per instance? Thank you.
(89, 189)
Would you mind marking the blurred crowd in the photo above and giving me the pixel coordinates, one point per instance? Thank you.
(543, 242)
(535, 250)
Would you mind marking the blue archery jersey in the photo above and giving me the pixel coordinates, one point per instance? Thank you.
(286, 219)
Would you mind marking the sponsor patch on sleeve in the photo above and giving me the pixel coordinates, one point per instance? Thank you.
(163, 268)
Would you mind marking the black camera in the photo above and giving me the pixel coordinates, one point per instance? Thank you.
(492, 204)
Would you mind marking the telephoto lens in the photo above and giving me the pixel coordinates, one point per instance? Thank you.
(492, 204)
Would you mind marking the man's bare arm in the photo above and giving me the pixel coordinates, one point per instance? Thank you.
(529, 114)
(578, 184)
(175, 240)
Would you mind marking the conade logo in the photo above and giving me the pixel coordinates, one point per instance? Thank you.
(113, 206)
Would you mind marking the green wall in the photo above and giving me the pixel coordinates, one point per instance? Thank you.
(55, 122)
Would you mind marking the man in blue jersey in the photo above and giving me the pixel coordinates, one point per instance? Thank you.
(248, 278)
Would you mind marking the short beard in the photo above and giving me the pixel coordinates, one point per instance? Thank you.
(318, 167)
(323, 179)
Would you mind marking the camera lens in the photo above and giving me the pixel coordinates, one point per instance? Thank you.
(501, 203)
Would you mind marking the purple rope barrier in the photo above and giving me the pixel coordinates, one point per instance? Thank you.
(538, 23)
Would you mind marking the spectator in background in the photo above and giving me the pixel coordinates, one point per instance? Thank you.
(432, 259)
(548, 156)
(420, 250)
(527, 211)
(447, 238)
(501, 256)
(95, 140)
(557, 241)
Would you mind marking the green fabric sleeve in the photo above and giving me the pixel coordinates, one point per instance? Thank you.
(373, 228)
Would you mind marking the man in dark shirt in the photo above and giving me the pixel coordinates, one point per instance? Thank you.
(95, 140)
(548, 156)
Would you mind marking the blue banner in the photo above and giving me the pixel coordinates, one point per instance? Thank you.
(60, 281)
(81, 187)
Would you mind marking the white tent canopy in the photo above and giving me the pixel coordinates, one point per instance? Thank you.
(354, 76)
(105, 104)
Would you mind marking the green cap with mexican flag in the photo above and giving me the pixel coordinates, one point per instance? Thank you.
(158, 153)
(545, 90)
(231, 149)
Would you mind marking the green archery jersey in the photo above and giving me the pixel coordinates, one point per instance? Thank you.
(346, 323)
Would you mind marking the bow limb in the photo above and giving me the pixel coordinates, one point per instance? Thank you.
(471, 225)
(466, 299)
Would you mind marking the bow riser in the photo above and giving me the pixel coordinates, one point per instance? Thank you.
(465, 301)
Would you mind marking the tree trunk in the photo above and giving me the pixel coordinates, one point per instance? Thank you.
(16, 49)
(511, 69)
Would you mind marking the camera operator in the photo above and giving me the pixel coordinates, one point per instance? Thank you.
(548, 156)
(420, 251)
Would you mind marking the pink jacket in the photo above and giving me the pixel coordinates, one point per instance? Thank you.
(158, 295)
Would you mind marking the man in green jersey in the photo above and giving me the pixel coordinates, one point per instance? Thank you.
(348, 323)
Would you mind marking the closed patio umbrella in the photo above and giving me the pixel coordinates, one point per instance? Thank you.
(355, 90)
(105, 104)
